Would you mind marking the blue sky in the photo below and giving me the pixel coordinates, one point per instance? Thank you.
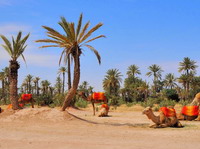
(141, 32)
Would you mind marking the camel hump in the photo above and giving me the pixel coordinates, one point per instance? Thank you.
(26, 96)
(190, 110)
(168, 112)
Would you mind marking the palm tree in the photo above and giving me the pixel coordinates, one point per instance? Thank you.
(45, 86)
(29, 79)
(112, 80)
(58, 85)
(133, 70)
(15, 50)
(155, 71)
(73, 43)
(63, 70)
(189, 67)
(2, 78)
(170, 80)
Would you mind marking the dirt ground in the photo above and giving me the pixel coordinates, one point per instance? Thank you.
(126, 128)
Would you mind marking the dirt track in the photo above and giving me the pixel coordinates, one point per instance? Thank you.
(125, 128)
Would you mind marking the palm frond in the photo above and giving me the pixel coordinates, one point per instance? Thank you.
(95, 52)
(6, 41)
(95, 38)
(83, 31)
(91, 31)
(79, 26)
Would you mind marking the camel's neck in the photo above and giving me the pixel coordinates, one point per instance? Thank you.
(153, 117)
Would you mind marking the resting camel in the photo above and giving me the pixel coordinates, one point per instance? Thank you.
(161, 121)
(103, 112)
(26, 98)
(92, 100)
(195, 102)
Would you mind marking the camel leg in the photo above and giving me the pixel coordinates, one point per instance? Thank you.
(32, 103)
(93, 108)
(154, 126)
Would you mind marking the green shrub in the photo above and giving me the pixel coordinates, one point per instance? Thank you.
(184, 102)
(81, 103)
(166, 103)
(171, 94)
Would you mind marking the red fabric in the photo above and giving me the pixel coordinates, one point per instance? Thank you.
(98, 96)
(168, 112)
(10, 106)
(105, 106)
(26, 97)
(190, 110)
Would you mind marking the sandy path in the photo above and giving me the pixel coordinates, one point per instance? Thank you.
(125, 130)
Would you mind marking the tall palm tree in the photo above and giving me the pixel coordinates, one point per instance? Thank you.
(133, 70)
(58, 85)
(37, 85)
(188, 66)
(72, 41)
(15, 49)
(155, 71)
(112, 80)
(170, 81)
(29, 79)
(62, 71)
(2, 78)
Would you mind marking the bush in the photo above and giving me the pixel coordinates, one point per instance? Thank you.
(171, 94)
(81, 103)
(150, 102)
(166, 103)
(184, 102)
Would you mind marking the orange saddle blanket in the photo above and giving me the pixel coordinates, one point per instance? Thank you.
(98, 96)
(105, 106)
(190, 110)
(26, 97)
(168, 112)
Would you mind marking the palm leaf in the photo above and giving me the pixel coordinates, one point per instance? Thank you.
(83, 31)
(95, 38)
(91, 31)
(7, 42)
(95, 52)
(79, 25)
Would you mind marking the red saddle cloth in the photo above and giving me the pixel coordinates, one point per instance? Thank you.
(190, 110)
(10, 106)
(168, 112)
(105, 106)
(98, 96)
(26, 97)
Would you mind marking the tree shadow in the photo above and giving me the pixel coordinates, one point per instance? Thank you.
(138, 125)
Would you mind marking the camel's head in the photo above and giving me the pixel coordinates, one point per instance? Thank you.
(147, 110)
(81, 93)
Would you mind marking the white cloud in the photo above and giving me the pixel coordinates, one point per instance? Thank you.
(12, 29)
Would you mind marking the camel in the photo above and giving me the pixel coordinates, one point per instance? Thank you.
(26, 98)
(195, 102)
(103, 112)
(161, 121)
(93, 100)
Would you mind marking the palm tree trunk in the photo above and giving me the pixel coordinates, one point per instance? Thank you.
(63, 89)
(74, 87)
(69, 74)
(3, 91)
(14, 66)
